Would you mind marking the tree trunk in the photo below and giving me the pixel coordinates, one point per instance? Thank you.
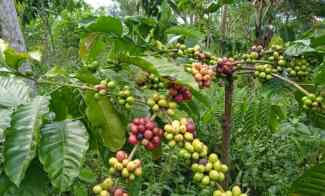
(9, 25)
(223, 25)
(11, 32)
(227, 124)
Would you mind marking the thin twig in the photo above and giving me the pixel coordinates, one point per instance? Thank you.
(135, 148)
(292, 83)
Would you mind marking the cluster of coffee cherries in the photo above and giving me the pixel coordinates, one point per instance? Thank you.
(179, 93)
(154, 82)
(255, 53)
(179, 131)
(312, 101)
(125, 98)
(180, 50)
(298, 67)
(193, 150)
(203, 74)
(120, 165)
(106, 188)
(226, 66)
(235, 191)
(264, 72)
(209, 171)
(160, 103)
(145, 131)
(102, 87)
(275, 55)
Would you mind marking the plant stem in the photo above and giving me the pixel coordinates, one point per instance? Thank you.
(135, 148)
(292, 83)
(226, 137)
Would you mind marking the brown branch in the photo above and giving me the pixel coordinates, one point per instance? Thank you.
(227, 121)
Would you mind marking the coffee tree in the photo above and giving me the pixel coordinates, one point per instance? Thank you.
(128, 99)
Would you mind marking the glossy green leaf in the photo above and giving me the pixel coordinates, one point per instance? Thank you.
(35, 184)
(104, 24)
(13, 92)
(168, 68)
(62, 151)
(299, 47)
(87, 175)
(79, 189)
(22, 138)
(13, 58)
(311, 183)
(56, 71)
(91, 46)
(186, 31)
(4, 124)
(102, 115)
(319, 76)
(142, 63)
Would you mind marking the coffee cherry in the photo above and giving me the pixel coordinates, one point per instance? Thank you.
(125, 98)
(160, 103)
(107, 183)
(97, 189)
(153, 82)
(179, 93)
(312, 102)
(121, 155)
(203, 74)
(145, 131)
(225, 66)
(122, 166)
(264, 72)
(299, 68)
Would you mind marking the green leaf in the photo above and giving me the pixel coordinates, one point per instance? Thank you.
(319, 76)
(104, 24)
(142, 63)
(187, 31)
(62, 151)
(56, 71)
(91, 46)
(299, 47)
(167, 68)
(87, 175)
(35, 183)
(13, 92)
(4, 121)
(311, 183)
(13, 58)
(217, 4)
(84, 75)
(102, 115)
(79, 190)
(4, 124)
(22, 138)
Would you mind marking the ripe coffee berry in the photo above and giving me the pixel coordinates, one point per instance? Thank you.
(145, 131)
(179, 93)
(203, 74)
(226, 66)
(103, 87)
(121, 165)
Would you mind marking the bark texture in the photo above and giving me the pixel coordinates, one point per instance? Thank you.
(9, 25)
